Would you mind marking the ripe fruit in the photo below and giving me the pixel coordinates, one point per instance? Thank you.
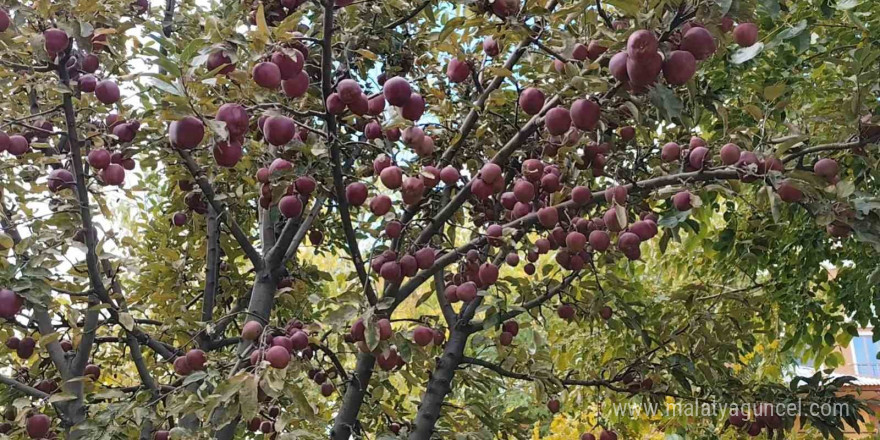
(297, 85)
(99, 158)
(87, 83)
(595, 50)
(423, 336)
(385, 331)
(524, 191)
(279, 164)
(679, 67)
(251, 331)
(219, 58)
(641, 45)
(381, 162)
(826, 168)
(288, 65)
(278, 357)
(393, 229)
(490, 172)
(579, 52)
(531, 100)
(349, 90)
(56, 41)
(566, 312)
(376, 105)
(267, 75)
(457, 70)
(490, 46)
(356, 193)
(162, 435)
(18, 145)
(425, 258)
(488, 273)
(581, 195)
(608, 435)
(60, 179)
(557, 121)
(789, 193)
(670, 152)
(335, 106)
(235, 117)
(305, 185)
(107, 91)
(290, 206)
(196, 359)
(114, 174)
(588, 436)
(505, 339)
(380, 205)
(505, 8)
(467, 292)
(186, 133)
(585, 114)
(279, 130)
(745, 34)
(643, 71)
(10, 303)
(548, 217)
(682, 201)
(699, 42)
(730, 154)
(4, 20)
(327, 389)
(397, 91)
(37, 425)
(616, 194)
(553, 405)
(696, 141)
(698, 157)
(181, 367)
(599, 240)
(575, 241)
(414, 107)
(617, 67)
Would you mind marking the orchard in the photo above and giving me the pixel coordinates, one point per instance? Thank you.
(426, 219)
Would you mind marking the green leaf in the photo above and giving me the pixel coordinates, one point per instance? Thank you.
(667, 102)
(774, 91)
(843, 5)
(746, 53)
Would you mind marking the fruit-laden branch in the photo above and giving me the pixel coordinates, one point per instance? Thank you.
(536, 302)
(336, 154)
(333, 359)
(409, 16)
(23, 388)
(223, 214)
(445, 307)
(530, 219)
(301, 233)
(500, 158)
(470, 121)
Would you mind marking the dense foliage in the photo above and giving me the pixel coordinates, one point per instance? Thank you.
(418, 219)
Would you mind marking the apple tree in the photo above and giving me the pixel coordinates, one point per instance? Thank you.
(426, 219)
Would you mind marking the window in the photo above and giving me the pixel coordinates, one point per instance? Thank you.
(865, 351)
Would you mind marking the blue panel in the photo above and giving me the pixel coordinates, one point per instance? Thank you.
(866, 350)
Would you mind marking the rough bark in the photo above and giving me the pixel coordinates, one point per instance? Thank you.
(439, 385)
(346, 419)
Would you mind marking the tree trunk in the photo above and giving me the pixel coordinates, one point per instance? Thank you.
(439, 385)
(346, 419)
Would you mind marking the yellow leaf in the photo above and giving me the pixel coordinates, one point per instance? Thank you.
(367, 54)
(774, 91)
(126, 321)
(754, 111)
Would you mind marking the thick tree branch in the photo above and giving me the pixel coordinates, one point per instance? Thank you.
(346, 418)
(445, 307)
(439, 385)
(212, 271)
(304, 229)
(223, 214)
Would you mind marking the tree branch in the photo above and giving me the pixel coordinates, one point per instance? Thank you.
(407, 17)
(445, 307)
(23, 388)
(222, 213)
(823, 147)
